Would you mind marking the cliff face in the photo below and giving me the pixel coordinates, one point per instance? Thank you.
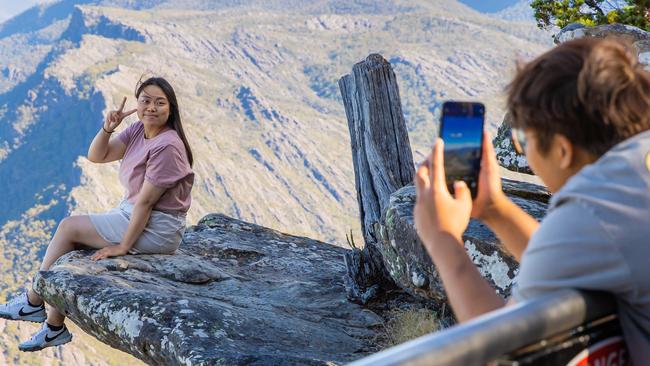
(235, 293)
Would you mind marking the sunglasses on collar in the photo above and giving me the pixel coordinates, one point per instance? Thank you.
(519, 140)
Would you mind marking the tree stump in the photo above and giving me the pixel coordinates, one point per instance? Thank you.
(382, 159)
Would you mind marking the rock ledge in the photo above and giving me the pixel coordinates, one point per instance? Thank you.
(235, 293)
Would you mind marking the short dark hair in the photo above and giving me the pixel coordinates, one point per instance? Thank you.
(593, 91)
(174, 120)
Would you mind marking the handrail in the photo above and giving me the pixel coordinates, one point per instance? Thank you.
(500, 332)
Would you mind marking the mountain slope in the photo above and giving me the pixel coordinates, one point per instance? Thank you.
(520, 12)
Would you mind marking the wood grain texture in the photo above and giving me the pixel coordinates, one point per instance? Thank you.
(382, 160)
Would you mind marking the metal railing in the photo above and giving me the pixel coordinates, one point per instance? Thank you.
(499, 333)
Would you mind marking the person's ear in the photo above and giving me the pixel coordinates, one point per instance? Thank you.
(565, 151)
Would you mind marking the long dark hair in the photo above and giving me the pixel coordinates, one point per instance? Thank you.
(174, 120)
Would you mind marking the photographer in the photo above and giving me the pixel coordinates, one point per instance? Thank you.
(581, 115)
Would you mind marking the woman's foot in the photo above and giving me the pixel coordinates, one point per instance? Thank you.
(20, 309)
(47, 336)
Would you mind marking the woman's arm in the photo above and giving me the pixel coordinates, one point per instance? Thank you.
(147, 199)
(469, 294)
(440, 220)
(103, 149)
(509, 222)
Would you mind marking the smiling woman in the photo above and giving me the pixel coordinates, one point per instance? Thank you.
(156, 172)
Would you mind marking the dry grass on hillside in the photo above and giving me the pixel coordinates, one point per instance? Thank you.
(406, 324)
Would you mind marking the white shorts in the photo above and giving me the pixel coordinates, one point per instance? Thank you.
(162, 235)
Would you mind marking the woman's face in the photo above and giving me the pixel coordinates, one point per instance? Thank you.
(153, 107)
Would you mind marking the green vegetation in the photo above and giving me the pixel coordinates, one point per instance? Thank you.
(592, 12)
(351, 243)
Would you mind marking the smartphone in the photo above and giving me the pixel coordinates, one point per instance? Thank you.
(461, 128)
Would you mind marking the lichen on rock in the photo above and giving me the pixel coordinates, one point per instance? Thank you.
(505, 151)
(410, 265)
(234, 293)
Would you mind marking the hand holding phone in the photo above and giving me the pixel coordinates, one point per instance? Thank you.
(437, 213)
(461, 128)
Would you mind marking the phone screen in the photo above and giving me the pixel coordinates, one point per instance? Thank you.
(461, 128)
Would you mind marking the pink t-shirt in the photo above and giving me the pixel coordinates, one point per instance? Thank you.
(162, 161)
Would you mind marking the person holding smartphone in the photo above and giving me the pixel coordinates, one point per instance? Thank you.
(156, 172)
(581, 115)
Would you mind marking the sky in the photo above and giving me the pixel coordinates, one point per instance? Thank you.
(461, 132)
(490, 6)
(9, 8)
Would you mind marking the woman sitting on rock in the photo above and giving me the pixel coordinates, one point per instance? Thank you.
(156, 171)
(581, 114)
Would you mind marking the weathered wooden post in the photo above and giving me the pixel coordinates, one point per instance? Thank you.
(383, 162)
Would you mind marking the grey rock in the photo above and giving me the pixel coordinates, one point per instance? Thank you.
(526, 192)
(638, 37)
(573, 31)
(643, 48)
(409, 264)
(505, 150)
(234, 294)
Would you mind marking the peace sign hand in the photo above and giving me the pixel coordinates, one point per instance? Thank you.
(114, 118)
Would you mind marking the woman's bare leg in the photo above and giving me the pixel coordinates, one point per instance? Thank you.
(72, 231)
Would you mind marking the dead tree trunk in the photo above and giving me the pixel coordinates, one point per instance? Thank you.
(383, 163)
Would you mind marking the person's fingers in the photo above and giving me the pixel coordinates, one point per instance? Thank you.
(98, 255)
(431, 161)
(123, 104)
(422, 179)
(484, 151)
(128, 113)
(462, 192)
(489, 155)
(437, 173)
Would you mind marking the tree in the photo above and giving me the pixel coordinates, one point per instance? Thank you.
(592, 12)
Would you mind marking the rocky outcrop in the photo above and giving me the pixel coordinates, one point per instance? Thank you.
(84, 22)
(639, 38)
(575, 30)
(410, 265)
(505, 151)
(234, 294)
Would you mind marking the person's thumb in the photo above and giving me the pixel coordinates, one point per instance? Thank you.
(462, 192)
